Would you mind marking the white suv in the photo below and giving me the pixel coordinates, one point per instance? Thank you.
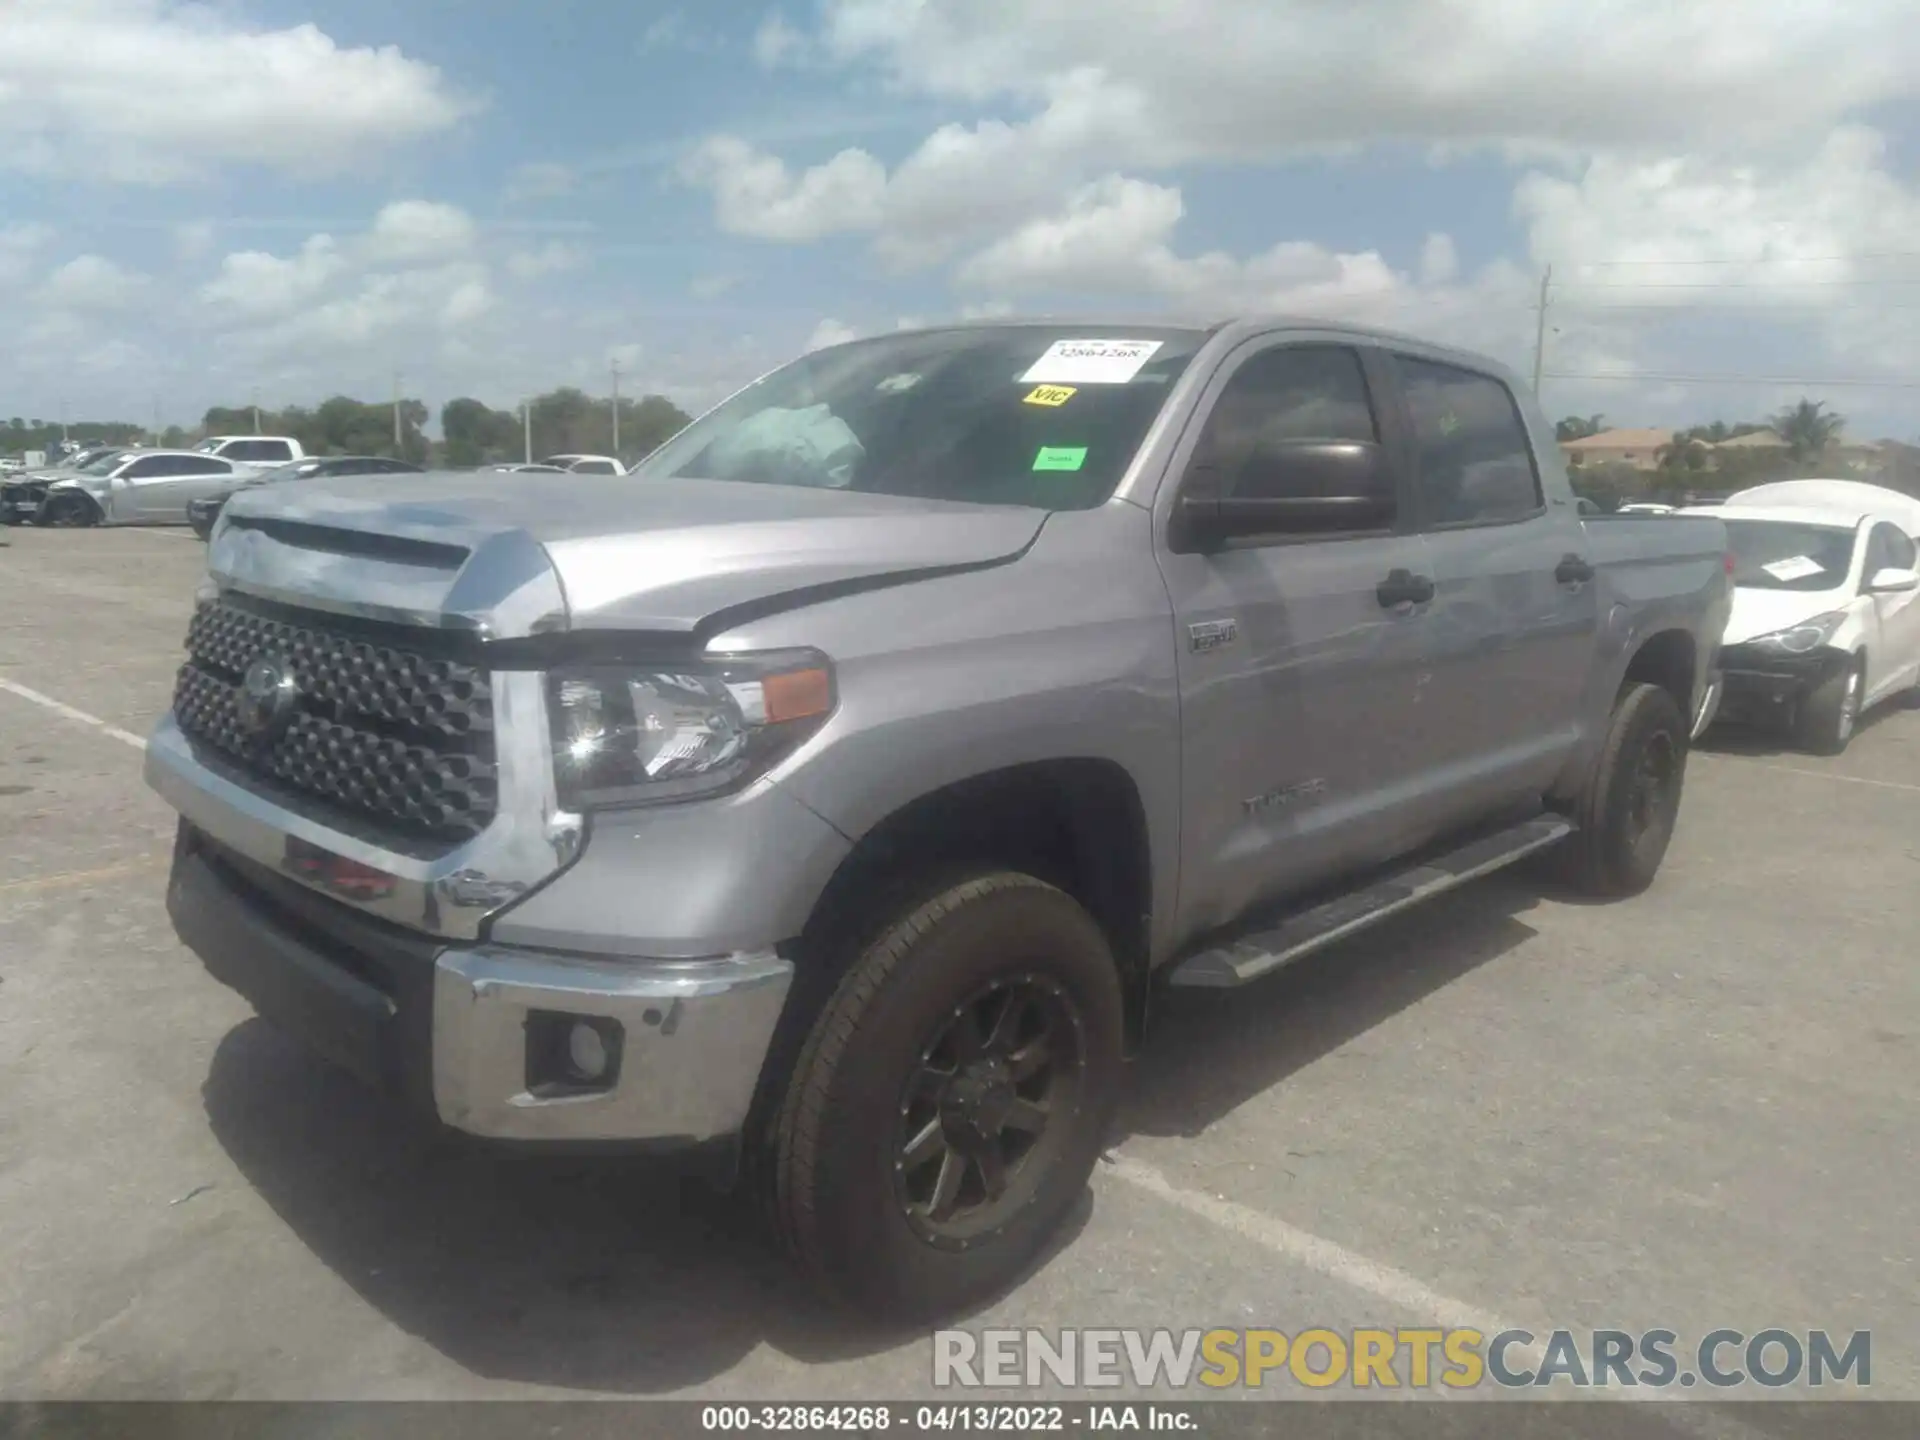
(253, 449)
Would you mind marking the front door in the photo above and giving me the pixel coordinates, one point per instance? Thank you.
(1299, 657)
(1898, 612)
(1515, 618)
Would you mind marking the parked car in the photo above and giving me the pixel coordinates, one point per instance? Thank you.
(831, 801)
(1644, 507)
(253, 449)
(203, 513)
(1825, 622)
(1836, 495)
(23, 496)
(587, 464)
(10, 465)
(126, 487)
(519, 469)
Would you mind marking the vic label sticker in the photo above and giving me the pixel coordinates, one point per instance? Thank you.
(1797, 567)
(1051, 395)
(1090, 362)
(1056, 457)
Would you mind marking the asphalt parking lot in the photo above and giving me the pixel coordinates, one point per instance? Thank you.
(1692, 1110)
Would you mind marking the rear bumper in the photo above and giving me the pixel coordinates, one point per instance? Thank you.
(20, 504)
(202, 515)
(475, 1036)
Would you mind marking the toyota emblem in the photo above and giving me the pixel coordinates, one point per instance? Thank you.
(267, 697)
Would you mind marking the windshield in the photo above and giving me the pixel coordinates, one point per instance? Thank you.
(1782, 555)
(105, 463)
(1001, 415)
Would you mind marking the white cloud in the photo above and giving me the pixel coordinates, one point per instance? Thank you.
(543, 180)
(711, 287)
(194, 238)
(256, 285)
(755, 194)
(20, 244)
(418, 232)
(549, 259)
(829, 332)
(92, 283)
(153, 91)
(1241, 79)
(777, 43)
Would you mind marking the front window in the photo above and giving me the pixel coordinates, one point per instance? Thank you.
(1782, 555)
(105, 464)
(207, 447)
(997, 415)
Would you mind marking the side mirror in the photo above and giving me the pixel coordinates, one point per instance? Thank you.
(1893, 581)
(1291, 488)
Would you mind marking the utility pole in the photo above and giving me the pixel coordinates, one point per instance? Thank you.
(398, 453)
(63, 422)
(1540, 335)
(526, 418)
(156, 420)
(256, 412)
(614, 366)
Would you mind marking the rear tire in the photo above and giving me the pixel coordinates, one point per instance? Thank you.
(1830, 712)
(69, 512)
(890, 1094)
(1626, 813)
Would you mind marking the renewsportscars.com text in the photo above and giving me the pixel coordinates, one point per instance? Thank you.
(1417, 1359)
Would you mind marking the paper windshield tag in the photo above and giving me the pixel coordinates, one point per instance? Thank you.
(1090, 362)
(1060, 457)
(1051, 395)
(1795, 567)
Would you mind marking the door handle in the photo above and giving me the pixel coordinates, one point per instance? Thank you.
(1403, 587)
(1572, 570)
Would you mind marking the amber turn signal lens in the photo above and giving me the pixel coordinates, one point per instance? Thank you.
(797, 695)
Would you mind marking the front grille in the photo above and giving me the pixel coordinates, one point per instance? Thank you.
(378, 730)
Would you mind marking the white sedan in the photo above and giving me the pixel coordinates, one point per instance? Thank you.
(1826, 618)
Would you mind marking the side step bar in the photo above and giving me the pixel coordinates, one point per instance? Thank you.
(1251, 956)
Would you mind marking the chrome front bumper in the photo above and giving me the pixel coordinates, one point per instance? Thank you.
(456, 1030)
(694, 1036)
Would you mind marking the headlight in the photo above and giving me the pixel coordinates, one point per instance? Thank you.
(1807, 635)
(639, 736)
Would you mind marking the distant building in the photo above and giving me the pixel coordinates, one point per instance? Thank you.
(1638, 448)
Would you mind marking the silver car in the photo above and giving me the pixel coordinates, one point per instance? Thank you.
(127, 487)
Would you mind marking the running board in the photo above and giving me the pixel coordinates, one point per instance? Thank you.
(1251, 956)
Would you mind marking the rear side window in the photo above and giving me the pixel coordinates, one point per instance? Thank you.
(593, 467)
(1474, 461)
(150, 467)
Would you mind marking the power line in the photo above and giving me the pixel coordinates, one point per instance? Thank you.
(1742, 284)
(1664, 379)
(1758, 260)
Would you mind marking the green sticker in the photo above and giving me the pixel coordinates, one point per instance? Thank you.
(1055, 457)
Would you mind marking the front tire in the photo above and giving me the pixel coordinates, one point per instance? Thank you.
(1830, 712)
(69, 512)
(1626, 813)
(951, 1099)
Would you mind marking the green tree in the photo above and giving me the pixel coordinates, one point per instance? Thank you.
(476, 434)
(1578, 427)
(1808, 428)
(651, 422)
(1684, 455)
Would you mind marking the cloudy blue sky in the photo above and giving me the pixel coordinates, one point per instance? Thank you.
(287, 198)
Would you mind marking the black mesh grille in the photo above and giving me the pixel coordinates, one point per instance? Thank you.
(380, 731)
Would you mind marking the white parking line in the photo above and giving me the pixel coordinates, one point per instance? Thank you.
(1398, 1288)
(1323, 1257)
(125, 737)
(1825, 775)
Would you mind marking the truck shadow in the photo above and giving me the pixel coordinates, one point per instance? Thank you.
(625, 1276)
(593, 1273)
(1208, 1052)
(1770, 742)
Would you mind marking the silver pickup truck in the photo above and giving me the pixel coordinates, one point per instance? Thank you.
(830, 794)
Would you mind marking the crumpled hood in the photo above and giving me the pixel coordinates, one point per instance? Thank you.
(1761, 612)
(628, 553)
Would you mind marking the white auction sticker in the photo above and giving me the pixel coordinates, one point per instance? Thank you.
(1797, 567)
(1090, 362)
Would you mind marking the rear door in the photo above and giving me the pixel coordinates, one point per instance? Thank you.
(164, 498)
(1898, 612)
(1299, 661)
(1515, 618)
